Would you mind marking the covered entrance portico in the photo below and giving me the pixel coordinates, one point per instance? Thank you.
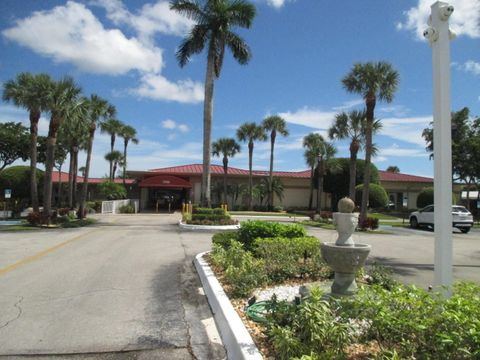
(162, 193)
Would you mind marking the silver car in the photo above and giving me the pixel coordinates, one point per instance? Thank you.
(462, 218)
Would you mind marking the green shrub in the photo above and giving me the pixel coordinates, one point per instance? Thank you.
(425, 197)
(95, 205)
(112, 191)
(278, 208)
(224, 239)
(213, 217)
(311, 328)
(208, 211)
(381, 275)
(126, 209)
(79, 223)
(251, 230)
(286, 258)
(243, 272)
(377, 196)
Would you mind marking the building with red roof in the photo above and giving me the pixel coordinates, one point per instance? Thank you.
(183, 183)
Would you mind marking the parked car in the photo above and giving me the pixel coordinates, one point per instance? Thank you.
(462, 218)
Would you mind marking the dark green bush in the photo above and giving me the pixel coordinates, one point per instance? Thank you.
(224, 239)
(251, 230)
(425, 197)
(112, 191)
(208, 211)
(126, 209)
(95, 205)
(286, 258)
(377, 196)
(213, 217)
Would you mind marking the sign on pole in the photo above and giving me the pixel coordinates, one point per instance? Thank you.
(8, 193)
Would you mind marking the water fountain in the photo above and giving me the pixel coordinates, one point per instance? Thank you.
(344, 256)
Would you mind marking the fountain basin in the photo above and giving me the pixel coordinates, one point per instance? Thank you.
(345, 259)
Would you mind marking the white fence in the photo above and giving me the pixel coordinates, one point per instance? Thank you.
(113, 206)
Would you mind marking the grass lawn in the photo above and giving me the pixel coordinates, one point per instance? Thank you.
(330, 226)
(381, 216)
(26, 227)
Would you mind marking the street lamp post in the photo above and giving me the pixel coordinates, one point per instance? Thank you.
(439, 37)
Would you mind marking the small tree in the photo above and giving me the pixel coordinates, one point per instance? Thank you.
(377, 198)
(17, 179)
(425, 197)
(112, 191)
(14, 144)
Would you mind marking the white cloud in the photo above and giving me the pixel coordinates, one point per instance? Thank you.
(276, 3)
(157, 87)
(406, 129)
(172, 125)
(71, 33)
(465, 20)
(150, 19)
(395, 110)
(395, 150)
(472, 67)
(349, 104)
(308, 117)
(169, 124)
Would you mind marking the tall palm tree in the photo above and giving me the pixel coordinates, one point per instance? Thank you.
(317, 153)
(116, 158)
(276, 125)
(98, 110)
(112, 127)
(227, 147)
(29, 91)
(213, 30)
(250, 132)
(372, 81)
(62, 102)
(352, 126)
(74, 134)
(128, 133)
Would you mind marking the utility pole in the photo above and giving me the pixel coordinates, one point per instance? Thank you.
(439, 37)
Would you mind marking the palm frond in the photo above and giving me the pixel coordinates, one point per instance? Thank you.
(239, 48)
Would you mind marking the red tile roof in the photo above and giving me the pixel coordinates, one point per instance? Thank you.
(390, 176)
(64, 179)
(196, 169)
(165, 181)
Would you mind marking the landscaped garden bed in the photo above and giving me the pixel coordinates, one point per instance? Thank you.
(384, 320)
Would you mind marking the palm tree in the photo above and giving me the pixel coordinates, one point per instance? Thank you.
(250, 132)
(74, 134)
(393, 169)
(62, 102)
(116, 158)
(276, 125)
(128, 133)
(98, 110)
(227, 147)
(317, 153)
(352, 126)
(29, 91)
(372, 81)
(214, 21)
(112, 127)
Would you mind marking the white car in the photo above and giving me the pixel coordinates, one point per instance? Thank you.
(462, 218)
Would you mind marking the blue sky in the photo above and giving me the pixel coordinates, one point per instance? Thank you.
(124, 51)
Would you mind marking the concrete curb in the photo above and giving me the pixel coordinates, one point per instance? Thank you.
(236, 339)
(184, 226)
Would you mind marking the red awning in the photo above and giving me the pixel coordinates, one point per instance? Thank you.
(166, 182)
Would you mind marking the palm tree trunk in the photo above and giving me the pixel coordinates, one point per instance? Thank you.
(250, 178)
(353, 174)
(83, 198)
(115, 163)
(50, 159)
(112, 145)
(125, 144)
(70, 179)
(310, 201)
(75, 182)
(207, 128)
(225, 172)
(319, 185)
(34, 118)
(60, 198)
(370, 104)
(270, 183)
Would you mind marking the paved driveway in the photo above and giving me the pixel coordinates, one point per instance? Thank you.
(125, 288)
(410, 253)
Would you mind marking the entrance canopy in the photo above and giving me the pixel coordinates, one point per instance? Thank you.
(165, 182)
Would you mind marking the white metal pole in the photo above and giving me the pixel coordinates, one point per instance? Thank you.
(439, 36)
